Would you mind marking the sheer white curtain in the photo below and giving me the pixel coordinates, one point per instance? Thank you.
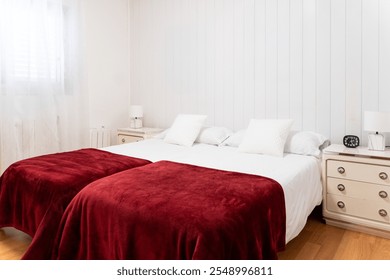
(42, 107)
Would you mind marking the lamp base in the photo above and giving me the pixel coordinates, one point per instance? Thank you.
(135, 123)
(376, 142)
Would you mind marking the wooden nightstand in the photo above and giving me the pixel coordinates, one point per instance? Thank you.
(356, 189)
(128, 135)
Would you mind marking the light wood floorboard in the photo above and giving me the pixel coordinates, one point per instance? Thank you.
(317, 241)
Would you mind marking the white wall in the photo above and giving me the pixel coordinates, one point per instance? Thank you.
(321, 62)
(107, 62)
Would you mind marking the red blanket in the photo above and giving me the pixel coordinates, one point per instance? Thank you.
(35, 192)
(169, 210)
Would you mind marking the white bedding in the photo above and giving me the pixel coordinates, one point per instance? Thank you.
(300, 176)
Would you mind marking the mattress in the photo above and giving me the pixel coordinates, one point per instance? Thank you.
(299, 176)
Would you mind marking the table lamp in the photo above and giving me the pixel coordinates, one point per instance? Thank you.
(136, 115)
(377, 122)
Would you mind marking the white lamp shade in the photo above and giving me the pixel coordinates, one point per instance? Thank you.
(136, 111)
(376, 121)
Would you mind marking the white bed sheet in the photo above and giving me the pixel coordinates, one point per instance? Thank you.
(299, 176)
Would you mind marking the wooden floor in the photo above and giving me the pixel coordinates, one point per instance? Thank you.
(317, 241)
(13, 243)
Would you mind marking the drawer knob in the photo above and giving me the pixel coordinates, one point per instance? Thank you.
(341, 170)
(383, 194)
(123, 140)
(340, 204)
(382, 212)
(383, 175)
(341, 187)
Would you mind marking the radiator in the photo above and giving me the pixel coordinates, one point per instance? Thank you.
(99, 137)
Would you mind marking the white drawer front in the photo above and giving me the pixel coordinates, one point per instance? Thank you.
(123, 139)
(376, 174)
(358, 189)
(358, 207)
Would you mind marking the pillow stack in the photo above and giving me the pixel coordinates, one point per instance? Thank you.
(271, 137)
(306, 143)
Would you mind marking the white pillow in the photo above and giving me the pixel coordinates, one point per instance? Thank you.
(306, 143)
(266, 137)
(185, 129)
(213, 135)
(235, 139)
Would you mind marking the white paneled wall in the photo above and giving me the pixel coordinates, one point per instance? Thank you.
(320, 62)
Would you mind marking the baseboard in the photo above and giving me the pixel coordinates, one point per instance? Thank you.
(358, 228)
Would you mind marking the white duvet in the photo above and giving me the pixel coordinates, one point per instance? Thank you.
(300, 176)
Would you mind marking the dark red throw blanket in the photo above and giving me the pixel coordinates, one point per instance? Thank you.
(169, 210)
(35, 192)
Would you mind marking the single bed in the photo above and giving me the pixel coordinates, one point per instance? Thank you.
(299, 175)
(35, 192)
(81, 235)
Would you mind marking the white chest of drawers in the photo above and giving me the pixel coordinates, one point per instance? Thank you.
(128, 135)
(357, 189)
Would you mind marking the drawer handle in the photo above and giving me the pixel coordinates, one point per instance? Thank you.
(340, 204)
(341, 187)
(341, 170)
(383, 175)
(123, 140)
(383, 194)
(382, 212)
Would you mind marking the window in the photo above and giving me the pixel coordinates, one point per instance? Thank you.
(34, 43)
(37, 52)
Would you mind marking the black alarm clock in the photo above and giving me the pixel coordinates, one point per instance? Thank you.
(351, 141)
